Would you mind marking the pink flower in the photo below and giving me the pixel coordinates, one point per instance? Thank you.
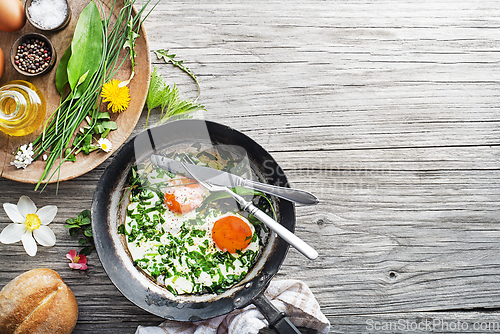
(77, 261)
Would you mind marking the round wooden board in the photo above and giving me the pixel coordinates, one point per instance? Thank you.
(126, 120)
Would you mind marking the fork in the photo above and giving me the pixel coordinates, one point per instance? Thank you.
(279, 229)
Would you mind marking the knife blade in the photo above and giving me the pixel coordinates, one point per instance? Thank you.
(223, 178)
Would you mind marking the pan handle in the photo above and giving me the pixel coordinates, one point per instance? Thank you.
(277, 320)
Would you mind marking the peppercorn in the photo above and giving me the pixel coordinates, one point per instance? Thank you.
(32, 56)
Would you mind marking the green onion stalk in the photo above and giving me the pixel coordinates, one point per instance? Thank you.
(56, 137)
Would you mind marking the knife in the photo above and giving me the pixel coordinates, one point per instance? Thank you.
(222, 178)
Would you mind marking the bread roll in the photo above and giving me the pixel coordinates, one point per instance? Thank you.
(37, 302)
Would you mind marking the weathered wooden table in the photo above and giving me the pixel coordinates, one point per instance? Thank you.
(387, 110)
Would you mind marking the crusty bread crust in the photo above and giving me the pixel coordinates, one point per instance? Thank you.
(37, 302)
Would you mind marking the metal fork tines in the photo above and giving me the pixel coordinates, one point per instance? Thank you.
(279, 229)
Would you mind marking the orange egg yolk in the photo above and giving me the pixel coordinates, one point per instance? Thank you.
(173, 205)
(231, 233)
(171, 199)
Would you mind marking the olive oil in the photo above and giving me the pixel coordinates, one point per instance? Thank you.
(22, 108)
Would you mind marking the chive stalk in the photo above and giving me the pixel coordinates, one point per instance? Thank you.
(73, 110)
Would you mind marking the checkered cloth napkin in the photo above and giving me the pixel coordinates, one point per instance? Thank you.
(290, 296)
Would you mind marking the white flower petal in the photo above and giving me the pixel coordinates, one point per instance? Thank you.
(26, 205)
(44, 236)
(12, 233)
(13, 213)
(29, 243)
(47, 214)
(105, 144)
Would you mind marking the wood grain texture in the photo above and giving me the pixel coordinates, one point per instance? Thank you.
(387, 110)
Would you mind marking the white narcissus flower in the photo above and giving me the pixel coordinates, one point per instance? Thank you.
(28, 223)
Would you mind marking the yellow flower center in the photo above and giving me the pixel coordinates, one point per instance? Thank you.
(104, 146)
(33, 222)
(76, 259)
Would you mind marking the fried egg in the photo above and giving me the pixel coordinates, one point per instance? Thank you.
(183, 195)
(182, 250)
(232, 233)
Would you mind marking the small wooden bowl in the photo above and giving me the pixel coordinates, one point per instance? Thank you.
(63, 24)
(23, 39)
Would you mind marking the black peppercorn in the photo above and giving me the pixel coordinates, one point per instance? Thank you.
(32, 56)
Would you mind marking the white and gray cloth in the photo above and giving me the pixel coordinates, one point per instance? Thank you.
(290, 296)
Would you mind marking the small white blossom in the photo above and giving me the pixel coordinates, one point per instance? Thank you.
(24, 156)
(105, 145)
(44, 157)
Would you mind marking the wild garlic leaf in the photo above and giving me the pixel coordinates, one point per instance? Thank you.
(103, 116)
(86, 47)
(109, 125)
(62, 71)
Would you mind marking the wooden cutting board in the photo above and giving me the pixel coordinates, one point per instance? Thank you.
(126, 120)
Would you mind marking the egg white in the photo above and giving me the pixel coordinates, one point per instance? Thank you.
(171, 226)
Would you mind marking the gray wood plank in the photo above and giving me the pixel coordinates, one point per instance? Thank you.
(387, 110)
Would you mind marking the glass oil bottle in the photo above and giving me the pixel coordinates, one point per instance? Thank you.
(22, 108)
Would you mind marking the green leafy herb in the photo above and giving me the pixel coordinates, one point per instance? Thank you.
(87, 44)
(130, 44)
(81, 226)
(173, 105)
(62, 71)
(92, 59)
(161, 95)
(121, 229)
(83, 140)
(156, 92)
(169, 58)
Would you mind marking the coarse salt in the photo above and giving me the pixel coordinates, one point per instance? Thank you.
(48, 14)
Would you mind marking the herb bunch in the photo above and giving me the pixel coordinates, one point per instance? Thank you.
(91, 60)
(167, 98)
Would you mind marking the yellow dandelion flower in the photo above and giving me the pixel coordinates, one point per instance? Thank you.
(118, 97)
